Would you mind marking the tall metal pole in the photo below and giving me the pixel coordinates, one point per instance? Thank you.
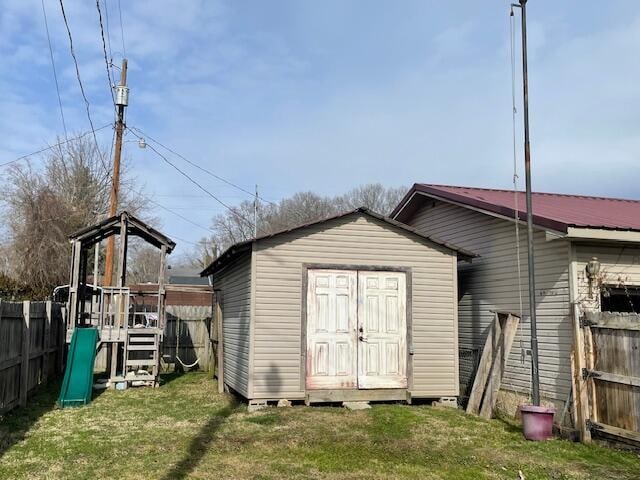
(535, 376)
(122, 99)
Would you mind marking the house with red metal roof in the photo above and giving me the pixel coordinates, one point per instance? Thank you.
(570, 231)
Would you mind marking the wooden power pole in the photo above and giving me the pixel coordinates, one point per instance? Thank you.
(122, 100)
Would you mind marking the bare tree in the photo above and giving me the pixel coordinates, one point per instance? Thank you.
(303, 207)
(46, 205)
(374, 196)
(143, 265)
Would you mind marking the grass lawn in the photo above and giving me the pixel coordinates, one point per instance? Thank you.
(186, 429)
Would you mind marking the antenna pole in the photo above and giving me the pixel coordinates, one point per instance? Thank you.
(122, 100)
(255, 215)
(535, 374)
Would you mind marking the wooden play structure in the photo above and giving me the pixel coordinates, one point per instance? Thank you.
(132, 339)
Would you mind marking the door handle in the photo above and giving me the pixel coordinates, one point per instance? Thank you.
(362, 339)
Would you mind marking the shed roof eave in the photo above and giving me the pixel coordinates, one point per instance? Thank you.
(602, 234)
(237, 248)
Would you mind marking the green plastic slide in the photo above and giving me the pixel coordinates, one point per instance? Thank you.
(78, 376)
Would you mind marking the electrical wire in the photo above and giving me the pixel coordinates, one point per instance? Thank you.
(515, 155)
(124, 48)
(53, 66)
(106, 60)
(179, 215)
(56, 145)
(197, 184)
(514, 111)
(86, 101)
(303, 218)
(193, 164)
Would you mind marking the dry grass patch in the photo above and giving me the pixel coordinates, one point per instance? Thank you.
(185, 429)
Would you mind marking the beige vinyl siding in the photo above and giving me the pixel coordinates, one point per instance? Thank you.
(491, 283)
(619, 265)
(234, 282)
(352, 240)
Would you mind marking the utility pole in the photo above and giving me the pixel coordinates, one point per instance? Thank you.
(535, 374)
(122, 100)
(255, 215)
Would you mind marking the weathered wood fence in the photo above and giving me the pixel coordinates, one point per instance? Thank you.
(611, 375)
(31, 348)
(187, 335)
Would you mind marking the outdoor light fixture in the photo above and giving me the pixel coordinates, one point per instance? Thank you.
(142, 143)
(593, 269)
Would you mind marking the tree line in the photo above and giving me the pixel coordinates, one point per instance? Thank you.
(43, 206)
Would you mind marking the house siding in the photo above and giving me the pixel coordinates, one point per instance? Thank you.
(352, 240)
(619, 266)
(491, 283)
(234, 284)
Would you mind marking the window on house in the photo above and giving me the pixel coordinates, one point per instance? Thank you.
(620, 299)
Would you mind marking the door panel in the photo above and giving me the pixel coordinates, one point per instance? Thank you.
(331, 329)
(382, 327)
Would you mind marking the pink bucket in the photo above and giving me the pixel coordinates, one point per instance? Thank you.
(537, 422)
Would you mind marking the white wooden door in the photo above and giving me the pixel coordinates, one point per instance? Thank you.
(382, 330)
(331, 329)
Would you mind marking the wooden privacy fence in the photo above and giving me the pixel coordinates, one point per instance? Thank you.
(31, 348)
(609, 365)
(187, 335)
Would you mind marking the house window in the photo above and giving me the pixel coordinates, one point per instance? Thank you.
(620, 299)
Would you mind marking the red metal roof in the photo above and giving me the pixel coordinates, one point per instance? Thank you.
(550, 210)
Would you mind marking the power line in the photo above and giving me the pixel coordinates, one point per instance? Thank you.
(106, 18)
(86, 102)
(179, 215)
(193, 164)
(53, 66)
(104, 51)
(124, 49)
(184, 240)
(51, 147)
(192, 180)
(207, 171)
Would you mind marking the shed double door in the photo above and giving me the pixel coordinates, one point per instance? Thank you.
(356, 329)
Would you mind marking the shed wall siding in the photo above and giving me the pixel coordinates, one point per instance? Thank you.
(277, 371)
(234, 282)
(491, 283)
(619, 266)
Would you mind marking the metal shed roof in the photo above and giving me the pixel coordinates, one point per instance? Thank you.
(238, 248)
(550, 210)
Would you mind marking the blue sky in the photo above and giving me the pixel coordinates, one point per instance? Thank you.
(324, 96)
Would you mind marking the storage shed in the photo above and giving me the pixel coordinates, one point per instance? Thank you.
(353, 307)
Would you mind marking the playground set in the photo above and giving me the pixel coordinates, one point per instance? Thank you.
(103, 317)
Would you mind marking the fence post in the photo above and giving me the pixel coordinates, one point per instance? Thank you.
(47, 344)
(25, 353)
(61, 341)
(207, 343)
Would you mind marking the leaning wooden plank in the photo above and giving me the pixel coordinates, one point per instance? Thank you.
(618, 432)
(484, 367)
(499, 364)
